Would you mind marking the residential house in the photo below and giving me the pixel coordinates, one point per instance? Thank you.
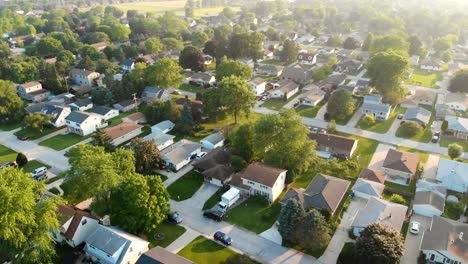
(445, 241)
(349, 66)
(373, 175)
(400, 165)
(135, 118)
(363, 86)
(180, 154)
(308, 58)
(128, 65)
(311, 95)
(431, 65)
(366, 189)
(323, 193)
(208, 59)
(32, 91)
(441, 109)
(457, 127)
(100, 46)
(84, 78)
(62, 99)
(268, 54)
(379, 211)
(202, 78)
(213, 141)
(456, 101)
(424, 97)
(333, 81)
(111, 245)
(247, 61)
(269, 70)
(81, 105)
(374, 106)
(162, 140)
(258, 86)
(333, 145)
(297, 74)
(419, 115)
(58, 114)
(285, 90)
(127, 105)
(106, 112)
(123, 132)
(163, 127)
(428, 203)
(452, 174)
(215, 167)
(151, 94)
(83, 123)
(75, 225)
(264, 180)
(147, 59)
(159, 255)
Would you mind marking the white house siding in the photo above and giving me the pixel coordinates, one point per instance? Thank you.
(111, 114)
(426, 210)
(83, 231)
(216, 182)
(457, 106)
(397, 173)
(271, 193)
(126, 137)
(165, 144)
(291, 93)
(440, 257)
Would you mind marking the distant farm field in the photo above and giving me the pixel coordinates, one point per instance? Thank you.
(160, 7)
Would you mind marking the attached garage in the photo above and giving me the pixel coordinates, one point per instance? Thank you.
(428, 203)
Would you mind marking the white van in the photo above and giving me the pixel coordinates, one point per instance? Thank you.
(39, 173)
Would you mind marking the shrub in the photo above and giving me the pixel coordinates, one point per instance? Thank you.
(410, 129)
(368, 120)
(21, 159)
(396, 198)
(238, 163)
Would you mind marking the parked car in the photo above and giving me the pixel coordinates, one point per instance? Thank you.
(177, 92)
(8, 164)
(435, 139)
(437, 133)
(400, 116)
(200, 155)
(414, 227)
(174, 217)
(214, 214)
(225, 239)
(39, 173)
(23, 138)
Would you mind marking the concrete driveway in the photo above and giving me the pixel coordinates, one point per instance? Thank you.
(355, 119)
(273, 235)
(413, 242)
(379, 156)
(430, 168)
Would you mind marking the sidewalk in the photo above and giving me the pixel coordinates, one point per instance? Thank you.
(183, 240)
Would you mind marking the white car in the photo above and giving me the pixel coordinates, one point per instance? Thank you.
(414, 227)
(200, 155)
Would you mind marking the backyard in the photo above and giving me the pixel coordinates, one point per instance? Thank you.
(203, 250)
(425, 78)
(61, 142)
(35, 134)
(424, 136)
(309, 111)
(170, 231)
(186, 186)
(382, 127)
(278, 104)
(192, 88)
(255, 214)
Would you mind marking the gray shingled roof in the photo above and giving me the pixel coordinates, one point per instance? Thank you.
(457, 123)
(101, 110)
(214, 138)
(106, 240)
(180, 151)
(418, 114)
(381, 211)
(373, 102)
(368, 187)
(430, 198)
(77, 117)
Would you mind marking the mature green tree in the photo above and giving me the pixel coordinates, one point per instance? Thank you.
(147, 155)
(387, 71)
(96, 37)
(458, 84)
(410, 129)
(334, 41)
(89, 51)
(322, 72)
(213, 103)
(5, 50)
(140, 203)
(186, 123)
(273, 134)
(172, 44)
(102, 96)
(368, 120)
(396, 198)
(416, 46)
(133, 82)
(229, 67)
(11, 105)
(21, 159)
(444, 43)
(341, 104)
(228, 13)
(331, 126)
(36, 121)
(51, 79)
(389, 42)
(153, 46)
(243, 141)
(351, 43)
(314, 232)
(23, 220)
(101, 139)
(446, 56)
(106, 67)
(119, 32)
(379, 243)
(199, 38)
(290, 51)
(289, 219)
(48, 46)
(237, 96)
(211, 48)
(367, 42)
(455, 150)
(86, 63)
(192, 58)
(98, 172)
(25, 71)
(25, 30)
(164, 73)
(239, 45)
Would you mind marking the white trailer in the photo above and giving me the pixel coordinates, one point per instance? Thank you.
(228, 199)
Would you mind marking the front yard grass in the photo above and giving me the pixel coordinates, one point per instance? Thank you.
(303, 180)
(278, 104)
(425, 78)
(382, 127)
(61, 142)
(424, 136)
(309, 111)
(186, 186)
(214, 199)
(7, 154)
(203, 250)
(35, 134)
(170, 231)
(9, 127)
(255, 214)
(445, 141)
(192, 88)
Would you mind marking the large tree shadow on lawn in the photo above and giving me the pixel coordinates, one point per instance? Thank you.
(207, 246)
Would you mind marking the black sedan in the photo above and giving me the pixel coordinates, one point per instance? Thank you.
(214, 214)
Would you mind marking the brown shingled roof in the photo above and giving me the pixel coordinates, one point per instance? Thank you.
(136, 116)
(121, 129)
(401, 161)
(262, 173)
(65, 213)
(373, 175)
(333, 141)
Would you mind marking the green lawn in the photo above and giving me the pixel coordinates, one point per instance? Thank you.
(55, 191)
(390, 185)
(309, 111)
(118, 119)
(277, 104)
(61, 142)
(9, 127)
(445, 141)
(34, 134)
(425, 136)
(214, 199)
(303, 180)
(171, 233)
(453, 210)
(255, 214)
(7, 154)
(203, 250)
(382, 127)
(425, 78)
(186, 186)
(192, 88)
(32, 165)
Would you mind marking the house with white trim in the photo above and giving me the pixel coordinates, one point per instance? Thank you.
(83, 124)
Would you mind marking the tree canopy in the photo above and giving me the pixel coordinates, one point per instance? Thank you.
(237, 95)
(165, 73)
(455, 150)
(11, 105)
(147, 156)
(458, 84)
(229, 67)
(192, 58)
(341, 104)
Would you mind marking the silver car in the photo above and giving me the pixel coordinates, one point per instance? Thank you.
(414, 227)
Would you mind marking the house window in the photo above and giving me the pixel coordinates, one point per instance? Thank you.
(84, 222)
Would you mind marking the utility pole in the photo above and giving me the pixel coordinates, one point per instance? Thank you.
(135, 101)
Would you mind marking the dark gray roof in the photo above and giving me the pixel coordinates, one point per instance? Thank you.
(106, 240)
(214, 138)
(153, 92)
(430, 198)
(102, 110)
(128, 62)
(77, 117)
(126, 103)
(159, 255)
(82, 102)
(373, 102)
(335, 79)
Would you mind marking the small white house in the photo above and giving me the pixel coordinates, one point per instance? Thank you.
(106, 112)
(32, 91)
(312, 95)
(83, 123)
(84, 77)
(178, 155)
(128, 65)
(286, 90)
(213, 141)
(58, 114)
(258, 85)
(163, 127)
(81, 105)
